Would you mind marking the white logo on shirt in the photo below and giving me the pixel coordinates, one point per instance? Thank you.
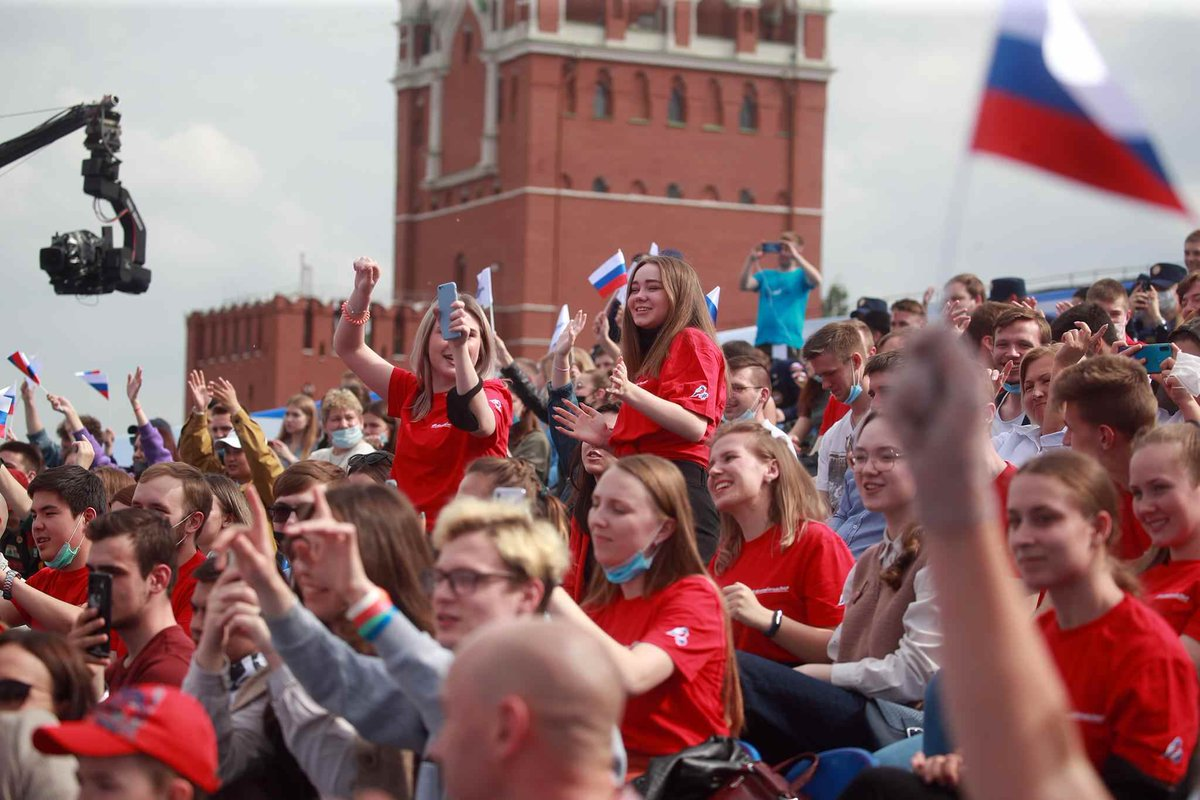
(497, 404)
(701, 393)
(440, 425)
(681, 635)
(1174, 596)
(643, 381)
(1174, 751)
(773, 590)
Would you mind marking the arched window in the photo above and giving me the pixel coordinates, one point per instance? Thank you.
(746, 196)
(674, 192)
(748, 116)
(569, 88)
(599, 184)
(468, 41)
(602, 97)
(677, 105)
(637, 187)
(642, 87)
(716, 109)
(710, 193)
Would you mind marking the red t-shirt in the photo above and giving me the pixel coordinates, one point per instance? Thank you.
(70, 586)
(579, 543)
(432, 454)
(185, 585)
(834, 410)
(1134, 541)
(687, 621)
(164, 659)
(1173, 590)
(804, 582)
(692, 376)
(1132, 687)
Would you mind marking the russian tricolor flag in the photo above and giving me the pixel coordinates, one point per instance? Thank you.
(713, 301)
(609, 276)
(8, 401)
(1051, 102)
(96, 379)
(26, 365)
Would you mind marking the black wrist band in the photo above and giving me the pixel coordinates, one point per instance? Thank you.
(458, 409)
(776, 622)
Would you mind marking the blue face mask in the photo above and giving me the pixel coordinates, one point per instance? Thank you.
(1012, 388)
(637, 565)
(748, 414)
(345, 438)
(66, 553)
(855, 393)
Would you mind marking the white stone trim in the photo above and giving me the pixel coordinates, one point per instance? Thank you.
(546, 191)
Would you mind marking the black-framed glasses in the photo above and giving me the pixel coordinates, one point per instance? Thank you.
(282, 512)
(13, 692)
(884, 459)
(462, 581)
(368, 460)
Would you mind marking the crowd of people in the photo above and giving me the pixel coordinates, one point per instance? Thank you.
(488, 576)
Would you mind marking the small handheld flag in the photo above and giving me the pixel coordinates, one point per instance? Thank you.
(654, 248)
(8, 401)
(483, 292)
(26, 365)
(96, 379)
(564, 319)
(609, 276)
(713, 300)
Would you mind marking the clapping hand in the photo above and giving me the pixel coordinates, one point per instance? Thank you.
(583, 423)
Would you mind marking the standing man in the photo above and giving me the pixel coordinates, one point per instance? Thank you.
(782, 295)
(1191, 251)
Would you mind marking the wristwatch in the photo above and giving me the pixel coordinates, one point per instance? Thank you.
(776, 622)
(9, 576)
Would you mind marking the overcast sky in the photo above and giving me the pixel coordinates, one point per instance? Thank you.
(255, 131)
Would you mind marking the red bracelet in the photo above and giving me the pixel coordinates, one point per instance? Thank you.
(352, 317)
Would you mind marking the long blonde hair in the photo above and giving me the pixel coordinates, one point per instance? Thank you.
(794, 496)
(687, 310)
(312, 429)
(419, 358)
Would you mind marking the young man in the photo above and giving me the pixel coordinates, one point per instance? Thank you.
(180, 493)
(1191, 251)
(1112, 297)
(16, 534)
(137, 548)
(143, 743)
(19, 456)
(1155, 304)
(1105, 401)
(907, 314)
(782, 294)
(65, 501)
(749, 394)
(837, 357)
(530, 708)
(1017, 331)
(965, 290)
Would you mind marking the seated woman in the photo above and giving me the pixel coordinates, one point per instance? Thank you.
(449, 404)
(881, 657)
(341, 419)
(781, 570)
(516, 481)
(656, 612)
(1023, 442)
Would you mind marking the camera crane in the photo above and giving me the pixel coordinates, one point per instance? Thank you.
(80, 262)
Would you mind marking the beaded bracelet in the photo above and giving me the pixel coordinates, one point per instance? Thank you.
(355, 318)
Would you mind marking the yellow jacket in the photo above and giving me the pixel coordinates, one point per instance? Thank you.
(196, 448)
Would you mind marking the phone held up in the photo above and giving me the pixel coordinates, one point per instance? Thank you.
(1153, 356)
(509, 494)
(447, 294)
(772, 247)
(99, 597)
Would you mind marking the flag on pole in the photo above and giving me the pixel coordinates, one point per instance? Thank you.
(8, 401)
(483, 291)
(26, 365)
(713, 300)
(564, 319)
(1051, 102)
(96, 379)
(654, 248)
(609, 276)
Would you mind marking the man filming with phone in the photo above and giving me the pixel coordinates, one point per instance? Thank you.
(782, 293)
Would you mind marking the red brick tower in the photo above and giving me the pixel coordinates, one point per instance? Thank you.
(541, 135)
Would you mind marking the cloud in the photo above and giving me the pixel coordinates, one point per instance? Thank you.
(200, 158)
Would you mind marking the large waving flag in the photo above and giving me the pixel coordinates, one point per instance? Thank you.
(560, 325)
(26, 365)
(96, 379)
(713, 301)
(483, 290)
(609, 276)
(1051, 102)
(8, 401)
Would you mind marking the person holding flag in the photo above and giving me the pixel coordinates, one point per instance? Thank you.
(670, 381)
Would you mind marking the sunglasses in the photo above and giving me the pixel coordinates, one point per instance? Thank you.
(282, 512)
(368, 459)
(13, 692)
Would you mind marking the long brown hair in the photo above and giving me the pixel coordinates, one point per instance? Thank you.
(794, 496)
(520, 474)
(312, 430)
(72, 691)
(1187, 440)
(676, 558)
(687, 309)
(911, 538)
(419, 357)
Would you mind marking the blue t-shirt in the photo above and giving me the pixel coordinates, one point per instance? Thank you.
(782, 304)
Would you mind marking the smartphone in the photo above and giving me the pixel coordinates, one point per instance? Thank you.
(1152, 355)
(99, 597)
(772, 247)
(447, 294)
(1142, 284)
(509, 494)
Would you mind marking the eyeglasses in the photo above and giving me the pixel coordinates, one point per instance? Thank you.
(368, 459)
(13, 692)
(462, 581)
(884, 459)
(282, 512)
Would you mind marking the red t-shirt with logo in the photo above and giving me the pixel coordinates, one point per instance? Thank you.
(69, 586)
(164, 659)
(692, 376)
(185, 585)
(804, 582)
(578, 543)
(432, 454)
(1134, 540)
(834, 410)
(1173, 590)
(1132, 687)
(687, 621)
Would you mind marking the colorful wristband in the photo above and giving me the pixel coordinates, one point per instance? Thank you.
(375, 625)
(363, 603)
(381, 605)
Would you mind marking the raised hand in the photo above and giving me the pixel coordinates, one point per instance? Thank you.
(799, 373)
(366, 275)
(332, 550)
(503, 357)
(60, 404)
(81, 454)
(1079, 343)
(198, 391)
(254, 547)
(133, 385)
(1001, 376)
(27, 391)
(619, 383)
(566, 340)
(927, 298)
(283, 451)
(88, 631)
(225, 394)
(583, 423)
(458, 324)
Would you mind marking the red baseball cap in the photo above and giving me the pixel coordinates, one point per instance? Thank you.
(151, 719)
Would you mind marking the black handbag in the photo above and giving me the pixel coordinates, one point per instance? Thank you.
(719, 769)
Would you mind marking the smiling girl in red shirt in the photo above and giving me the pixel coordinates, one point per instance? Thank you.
(657, 613)
(449, 412)
(670, 381)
